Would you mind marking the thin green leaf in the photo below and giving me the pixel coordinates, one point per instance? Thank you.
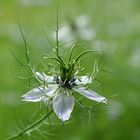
(32, 126)
(25, 44)
(17, 59)
(71, 53)
(83, 53)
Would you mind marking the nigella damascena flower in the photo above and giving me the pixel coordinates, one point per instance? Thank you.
(61, 93)
(79, 28)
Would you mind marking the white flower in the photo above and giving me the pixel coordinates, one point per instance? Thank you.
(60, 93)
(79, 28)
(85, 31)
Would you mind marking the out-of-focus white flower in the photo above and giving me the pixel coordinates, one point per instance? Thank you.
(61, 93)
(85, 31)
(79, 29)
(65, 34)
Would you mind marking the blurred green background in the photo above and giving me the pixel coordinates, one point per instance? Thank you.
(116, 25)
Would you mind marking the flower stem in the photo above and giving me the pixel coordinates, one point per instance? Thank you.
(31, 126)
(83, 53)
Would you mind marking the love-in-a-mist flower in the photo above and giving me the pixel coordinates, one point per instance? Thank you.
(79, 28)
(60, 89)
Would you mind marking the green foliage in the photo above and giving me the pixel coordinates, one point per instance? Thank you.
(117, 32)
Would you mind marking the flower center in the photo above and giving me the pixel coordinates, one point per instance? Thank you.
(69, 84)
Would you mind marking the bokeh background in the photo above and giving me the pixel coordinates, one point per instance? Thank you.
(112, 27)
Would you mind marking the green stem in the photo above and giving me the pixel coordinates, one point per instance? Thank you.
(57, 29)
(25, 44)
(71, 53)
(61, 60)
(83, 53)
(56, 59)
(30, 127)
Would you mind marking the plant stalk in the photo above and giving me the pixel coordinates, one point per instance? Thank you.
(31, 126)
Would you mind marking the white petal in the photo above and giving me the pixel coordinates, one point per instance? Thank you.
(43, 77)
(50, 90)
(83, 80)
(34, 95)
(39, 94)
(63, 106)
(90, 94)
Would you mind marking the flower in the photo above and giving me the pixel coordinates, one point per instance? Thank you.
(76, 29)
(61, 93)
